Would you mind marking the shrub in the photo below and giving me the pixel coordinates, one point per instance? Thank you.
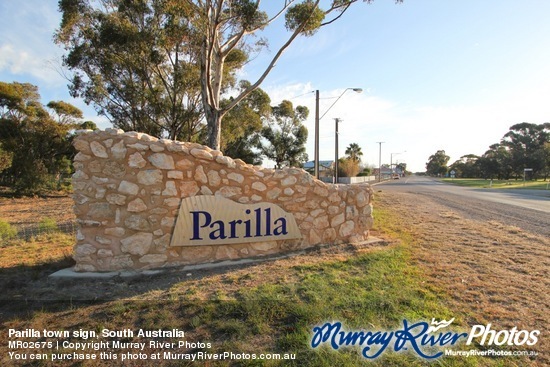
(6, 230)
(48, 225)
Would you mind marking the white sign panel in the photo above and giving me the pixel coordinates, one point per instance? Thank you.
(211, 220)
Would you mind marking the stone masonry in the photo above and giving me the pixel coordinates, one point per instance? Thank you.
(128, 187)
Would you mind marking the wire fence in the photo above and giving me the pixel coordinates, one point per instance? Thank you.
(27, 233)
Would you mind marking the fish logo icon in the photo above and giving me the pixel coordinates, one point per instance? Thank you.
(436, 325)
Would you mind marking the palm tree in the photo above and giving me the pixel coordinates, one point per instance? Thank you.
(353, 152)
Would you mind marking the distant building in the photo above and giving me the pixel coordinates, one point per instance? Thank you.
(326, 168)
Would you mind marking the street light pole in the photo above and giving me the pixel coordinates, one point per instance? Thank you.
(391, 160)
(336, 121)
(380, 160)
(316, 144)
(317, 118)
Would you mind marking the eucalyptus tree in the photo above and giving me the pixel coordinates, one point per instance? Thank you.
(223, 26)
(135, 62)
(285, 135)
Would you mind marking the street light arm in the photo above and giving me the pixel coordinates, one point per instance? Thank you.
(357, 90)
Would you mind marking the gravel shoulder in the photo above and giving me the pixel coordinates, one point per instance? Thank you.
(490, 259)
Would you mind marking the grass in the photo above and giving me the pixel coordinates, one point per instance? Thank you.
(499, 184)
(265, 309)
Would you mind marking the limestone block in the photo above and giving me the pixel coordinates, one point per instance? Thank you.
(321, 191)
(205, 190)
(104, 253)
(81, 157)
(100, 211)
(337, 220)
(347, 229)
(116, 199)
(136, 206)
(157, 148)
(229, 191)
(258, 186)
(138, 223)
(136, 160)
(214, 178)
(170, 189)
(200, 175)
(184, 164)
(288, 191)
(176, 175)
(128, 188)
(321, 222)
(162, 161)
(138, 244)
(314, 237)
(118, 151)
(82, 145)
(237, 177)
(98, 150)
(189, 188)
(139, 146)
(122, 262)
(288, 181)
(201, 154)
(274, 193)
(84, 249)
(150, 177)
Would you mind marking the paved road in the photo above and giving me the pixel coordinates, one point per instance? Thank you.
(527, 209)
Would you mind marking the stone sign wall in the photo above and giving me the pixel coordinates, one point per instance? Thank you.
(128, 188)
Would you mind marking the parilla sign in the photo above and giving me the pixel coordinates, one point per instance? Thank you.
(212, 220)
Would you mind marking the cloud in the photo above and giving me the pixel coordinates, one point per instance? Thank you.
(27, 48)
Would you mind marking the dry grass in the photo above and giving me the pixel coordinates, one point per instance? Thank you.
(491, 272)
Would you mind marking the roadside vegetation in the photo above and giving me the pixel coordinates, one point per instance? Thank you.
(523, 152)
(499, 184)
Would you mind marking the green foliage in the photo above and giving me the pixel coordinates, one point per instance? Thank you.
(243, 124)
(353, 152)
(36, 147)
(437, 164)
(7, 232)
(305, 17)
(285, 135)
(525, 145)
(48, 225)
(135, 61)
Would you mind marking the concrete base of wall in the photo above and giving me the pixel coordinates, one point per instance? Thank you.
(70, 273)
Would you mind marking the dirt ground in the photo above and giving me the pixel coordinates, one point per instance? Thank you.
(28, 212)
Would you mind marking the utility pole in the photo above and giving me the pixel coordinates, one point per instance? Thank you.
(336, 121)
(380, 160)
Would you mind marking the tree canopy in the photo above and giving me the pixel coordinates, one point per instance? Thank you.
(35, 149)
(437, 163)
(162, 66)
(285, 135)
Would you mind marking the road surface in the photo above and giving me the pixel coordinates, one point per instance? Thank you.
(526, 209)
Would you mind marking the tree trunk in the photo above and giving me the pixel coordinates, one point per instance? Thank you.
(214, 121)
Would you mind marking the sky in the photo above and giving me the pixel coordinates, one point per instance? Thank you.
(436, 75)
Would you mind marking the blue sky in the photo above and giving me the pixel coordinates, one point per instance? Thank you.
(452, 75)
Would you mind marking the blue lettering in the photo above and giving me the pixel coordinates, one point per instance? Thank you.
(196, 223)
(218, 233)
(281, 229)
(405, 335)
